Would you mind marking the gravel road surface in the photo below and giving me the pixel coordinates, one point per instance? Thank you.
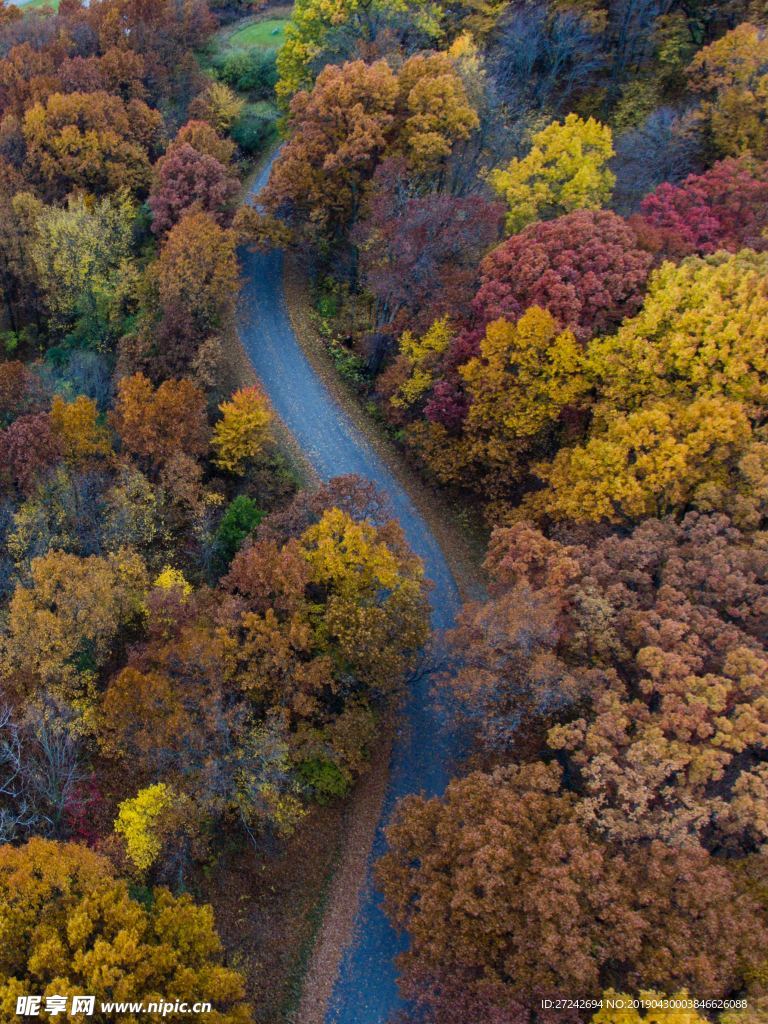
(424, 749)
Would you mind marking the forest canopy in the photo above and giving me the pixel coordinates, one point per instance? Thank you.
(530, 237)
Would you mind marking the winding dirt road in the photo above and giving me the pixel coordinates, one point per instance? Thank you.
(364, 988)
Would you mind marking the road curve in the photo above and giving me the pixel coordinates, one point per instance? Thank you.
(424, 749)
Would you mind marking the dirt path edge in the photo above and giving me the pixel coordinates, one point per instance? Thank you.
(336, 930)
(464, 555)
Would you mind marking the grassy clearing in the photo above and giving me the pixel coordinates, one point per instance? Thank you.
(263, 32)
(40, 3)
(243, 56)
(268, 34)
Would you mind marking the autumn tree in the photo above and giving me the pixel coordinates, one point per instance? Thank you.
(668, 777)
(340, 131)
(498, 880)
(243, 430)
(731, 75)
(62, 625)
(204, 138)
(680, 390)
(565, 170)
(269, 576)
(726, 207)
(375, 594)
(183, 714)
(197, 278)
(131, 512)
(586, 268)
(260, 231)
(434, 110)
(511, 674)
(93, 141)
(21, 391)
(657, 776)
(28, 449)
(144, 721)
(64, 511)
(313, 611)
(81, 257)
(77, 426)
(48, 887)
(701, 332)
(612, 655)
(667, 456)
(218, 105)
(419, 254)
(157, 423)
(140, 822)
(28, 75)
(370, 590)
(512, 402)
(186, 178)
(487, 415)
(414, 371)
(354, 116)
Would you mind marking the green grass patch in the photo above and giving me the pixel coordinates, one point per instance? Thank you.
(243, 56)
(269, 34)
(40, 3)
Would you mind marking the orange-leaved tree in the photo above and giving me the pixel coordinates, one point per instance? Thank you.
(157, 423)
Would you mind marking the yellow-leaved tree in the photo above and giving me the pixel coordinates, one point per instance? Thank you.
(62, 625)
(703, 330)
(731, 74)
(374, 615)
(243, 430)
(81, 257)
(651, 462)
(78, 428)
(219, 106)
(436, 109)
(140, 822)
(173, 579)
(526, 378)
(566, 169)
(418, 359)
(71, 927)
(526, 374)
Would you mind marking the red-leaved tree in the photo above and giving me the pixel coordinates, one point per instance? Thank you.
(586, 268)
(27, 448)
(724, 208)
(186, 178)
